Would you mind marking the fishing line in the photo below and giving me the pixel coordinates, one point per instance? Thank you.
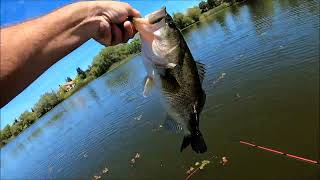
(280, 153)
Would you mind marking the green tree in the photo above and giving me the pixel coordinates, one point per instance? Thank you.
(68, 79)
(6, 133)
(231, 1)
(27, 118)
(46, 102)
(110, 55)
(194, 13)
(213, 3)
(204, 6)
(81, 73)
(181, 20)
(16, 129)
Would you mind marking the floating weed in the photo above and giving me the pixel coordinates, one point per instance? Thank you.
(224, 161)
(105, 170)
(134, 159)
(100, 174)
(138, 117)
(96, 177)
(204, 163)
(201, 165)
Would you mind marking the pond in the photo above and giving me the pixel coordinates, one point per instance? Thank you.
(262, 86)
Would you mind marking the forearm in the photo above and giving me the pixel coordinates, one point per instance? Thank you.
(41, 42)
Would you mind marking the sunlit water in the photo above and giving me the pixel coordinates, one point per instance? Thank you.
(269, 95)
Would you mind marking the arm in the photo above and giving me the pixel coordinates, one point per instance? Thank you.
(29, 48)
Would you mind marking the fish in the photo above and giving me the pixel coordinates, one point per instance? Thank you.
(172, 69)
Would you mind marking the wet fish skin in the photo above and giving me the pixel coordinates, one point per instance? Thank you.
(171, 66)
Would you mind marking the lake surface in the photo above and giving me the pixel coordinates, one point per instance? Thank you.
(269, 52)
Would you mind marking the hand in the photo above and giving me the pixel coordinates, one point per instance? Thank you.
(109, 22)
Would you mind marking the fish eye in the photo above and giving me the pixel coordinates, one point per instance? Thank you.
(171, 23)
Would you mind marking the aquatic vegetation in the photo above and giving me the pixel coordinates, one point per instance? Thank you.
(138, 117)
(204, 163)
(134, 159)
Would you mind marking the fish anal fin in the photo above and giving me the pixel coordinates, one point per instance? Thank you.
(201, 70)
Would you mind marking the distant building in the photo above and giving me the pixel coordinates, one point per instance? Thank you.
(68, 85)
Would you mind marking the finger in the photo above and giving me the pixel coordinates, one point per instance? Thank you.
(129, 29)
(133, 12)
(125, 35)
(104, 33)
(116, 34)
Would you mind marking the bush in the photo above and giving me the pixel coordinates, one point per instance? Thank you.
(194, 13)
(46, 102)
(181, 20)
(110, 55)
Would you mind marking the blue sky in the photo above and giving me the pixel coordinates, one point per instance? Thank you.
(15, 11)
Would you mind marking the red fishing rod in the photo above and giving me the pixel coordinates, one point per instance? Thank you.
(281, 153)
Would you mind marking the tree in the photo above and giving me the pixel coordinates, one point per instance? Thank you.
(194, 13)
(28, 118)
(6, 133)
(68, 79)
(204, 6)
(15, 121)
(213, 3)
(181, 20)
(228, 1)
(81, 73)
(16, 129)
(46, 102)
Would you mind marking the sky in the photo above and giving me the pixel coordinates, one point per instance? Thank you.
(16, 11)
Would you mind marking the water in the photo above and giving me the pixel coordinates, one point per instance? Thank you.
(269, 52)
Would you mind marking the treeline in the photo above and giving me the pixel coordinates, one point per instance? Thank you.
(101, 63)
(192, 15)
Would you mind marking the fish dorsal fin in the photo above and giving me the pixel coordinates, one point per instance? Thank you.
(148, 84)
(171, 125)
(201, 70)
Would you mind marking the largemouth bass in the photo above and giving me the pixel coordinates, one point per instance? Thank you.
(171, 68)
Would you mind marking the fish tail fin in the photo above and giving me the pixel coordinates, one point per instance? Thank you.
(197, 142)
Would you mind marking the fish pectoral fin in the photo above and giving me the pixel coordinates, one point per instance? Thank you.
(165, 66)
(169, 82)
(201, 70)
(148, 84)
(171, 125)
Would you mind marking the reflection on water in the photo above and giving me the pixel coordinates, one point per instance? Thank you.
(263, 12)
(268, 54)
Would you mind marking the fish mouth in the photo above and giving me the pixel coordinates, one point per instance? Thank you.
(150, 23)
(157, 16)
(151, 18)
